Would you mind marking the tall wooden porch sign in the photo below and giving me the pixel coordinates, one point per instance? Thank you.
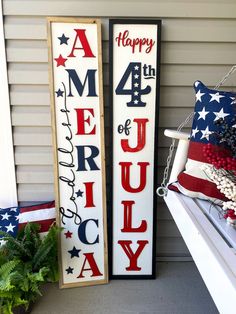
(134, 81)
(77, 114)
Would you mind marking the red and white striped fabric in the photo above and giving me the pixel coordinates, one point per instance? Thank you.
(42, 214)
(193, 181)
(211, 105)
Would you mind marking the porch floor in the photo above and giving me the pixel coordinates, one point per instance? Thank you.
(178, 289)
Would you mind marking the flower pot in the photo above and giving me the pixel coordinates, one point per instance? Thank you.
(21, 309)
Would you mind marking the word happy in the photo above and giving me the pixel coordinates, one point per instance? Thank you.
(136, 44)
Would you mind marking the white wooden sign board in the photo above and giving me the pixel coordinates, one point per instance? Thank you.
(77, 114)
(134, 75)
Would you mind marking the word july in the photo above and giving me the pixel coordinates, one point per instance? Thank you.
(140, 44)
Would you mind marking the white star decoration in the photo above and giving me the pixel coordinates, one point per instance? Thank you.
(136, 76)
(206, 133)
(2, 242)
(194, 131)
(220, 114)
(10, 227)
(233, 100)
(14, 209)
(199, 96)
(136, 84)
(202, 114)
(5, 216)
(136, 67)
(216, 97)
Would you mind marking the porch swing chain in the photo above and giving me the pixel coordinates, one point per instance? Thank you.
(162, 190)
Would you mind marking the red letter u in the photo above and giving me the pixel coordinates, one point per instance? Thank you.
(125, 176)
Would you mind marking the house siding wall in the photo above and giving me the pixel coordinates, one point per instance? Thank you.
(198, 42)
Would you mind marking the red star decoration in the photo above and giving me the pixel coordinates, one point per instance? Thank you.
(68, 234)
(60, 61)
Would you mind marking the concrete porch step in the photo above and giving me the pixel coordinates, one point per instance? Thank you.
(178, 289)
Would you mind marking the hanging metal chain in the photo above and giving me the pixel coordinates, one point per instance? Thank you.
(231, 71)
(162, 190)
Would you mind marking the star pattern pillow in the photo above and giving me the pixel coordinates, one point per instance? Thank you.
(210, 106)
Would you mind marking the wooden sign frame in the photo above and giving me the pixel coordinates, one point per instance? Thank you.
(78, 136)
(134, 97)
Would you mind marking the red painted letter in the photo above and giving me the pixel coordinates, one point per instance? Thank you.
(141, 137)
(89, 194)
(80, 33)
(128, 219)
(93, 266)
(125, 176)
(81, 121)
(133, 257)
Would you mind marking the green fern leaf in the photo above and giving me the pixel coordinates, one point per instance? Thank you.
(16, 248)
(6, 276)
(41, 255)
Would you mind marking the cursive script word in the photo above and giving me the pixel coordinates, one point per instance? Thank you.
(124, 128)
(140, 43)
(69, 179)
(69, 213)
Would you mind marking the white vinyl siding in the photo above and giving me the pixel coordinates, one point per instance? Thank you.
(198, 42)
(8, 193)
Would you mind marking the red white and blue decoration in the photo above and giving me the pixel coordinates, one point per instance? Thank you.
(14, 218)
(213, 109)
(134, 91)
(77, 111)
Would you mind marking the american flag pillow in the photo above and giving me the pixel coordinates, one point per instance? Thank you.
(210, 106)
(14, 218)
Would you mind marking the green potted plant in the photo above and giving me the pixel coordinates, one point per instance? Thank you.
(26, 262)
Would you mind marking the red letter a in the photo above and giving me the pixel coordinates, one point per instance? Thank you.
(133, 257)
(93, 266)
(125, 176)
(80, 33)
(141, 137)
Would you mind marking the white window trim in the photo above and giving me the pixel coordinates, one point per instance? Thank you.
(8, 190)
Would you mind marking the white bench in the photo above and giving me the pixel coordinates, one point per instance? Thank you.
(209, 238)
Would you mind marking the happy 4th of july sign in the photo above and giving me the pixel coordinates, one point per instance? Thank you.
(134, 96)
(77, 115)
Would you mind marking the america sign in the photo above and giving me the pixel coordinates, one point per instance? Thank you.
(78, 132)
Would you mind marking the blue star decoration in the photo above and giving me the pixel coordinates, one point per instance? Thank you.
(59, 93)
(210, 106)
(69, 270)
(63, 39)
(79, 193)
(74, 252)
(9, 220)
